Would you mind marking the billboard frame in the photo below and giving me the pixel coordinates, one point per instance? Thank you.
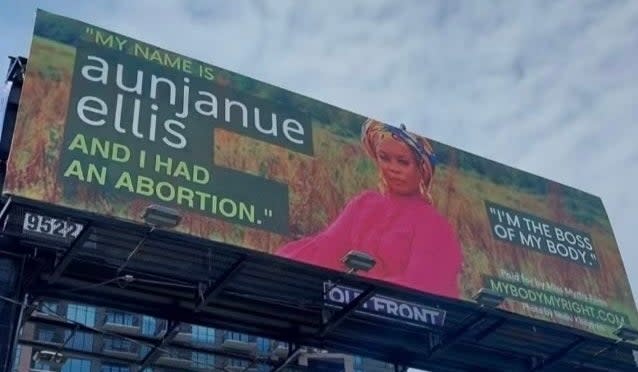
(442, 238)
(470, 330)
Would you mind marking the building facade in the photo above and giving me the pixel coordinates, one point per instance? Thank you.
(95, 339)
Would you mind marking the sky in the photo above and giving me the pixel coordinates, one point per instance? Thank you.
(549, 87)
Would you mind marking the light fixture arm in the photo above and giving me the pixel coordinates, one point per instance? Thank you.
(135, 250)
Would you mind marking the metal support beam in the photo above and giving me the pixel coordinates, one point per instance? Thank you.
(488, 331)
(17, 68)
(205, 295)
(451, 339)
(137, 248)
(342, 314)
(5, 209)
(172, 330)
(558, 356)
(62, 264)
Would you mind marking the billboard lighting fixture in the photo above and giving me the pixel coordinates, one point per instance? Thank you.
(488, 298)
(626, 333)
(358, 261)
(161, 217)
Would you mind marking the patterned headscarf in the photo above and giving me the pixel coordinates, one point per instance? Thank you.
(374, 132)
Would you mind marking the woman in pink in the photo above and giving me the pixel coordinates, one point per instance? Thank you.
(413, 245)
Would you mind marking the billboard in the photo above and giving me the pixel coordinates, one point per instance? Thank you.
(109, 124)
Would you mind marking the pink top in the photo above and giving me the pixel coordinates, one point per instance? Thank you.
(414, 246)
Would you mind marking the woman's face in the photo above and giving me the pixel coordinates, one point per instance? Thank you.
(398, 167)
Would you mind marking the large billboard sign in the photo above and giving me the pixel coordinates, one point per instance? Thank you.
(110, 125)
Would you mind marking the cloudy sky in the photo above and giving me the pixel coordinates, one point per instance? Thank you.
(544, 86)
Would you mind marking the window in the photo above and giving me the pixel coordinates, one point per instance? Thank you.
(115, 368)
(203, 360)
(358, 364)
(117, 344)
(81, 314)
(47, 335)
(203, 334)
(77, 365)
(79, 341)
(145, 350)
(16, 360)
(236, 336)
(49, 307)
(42, 366)
(149, 325)
(7, 276)
(118, 317)
(237, 363)
(263, 345)
(180, 354)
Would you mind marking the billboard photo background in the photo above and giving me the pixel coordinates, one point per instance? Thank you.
(508, 222)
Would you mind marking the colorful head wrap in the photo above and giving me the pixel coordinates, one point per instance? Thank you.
(374, 132)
